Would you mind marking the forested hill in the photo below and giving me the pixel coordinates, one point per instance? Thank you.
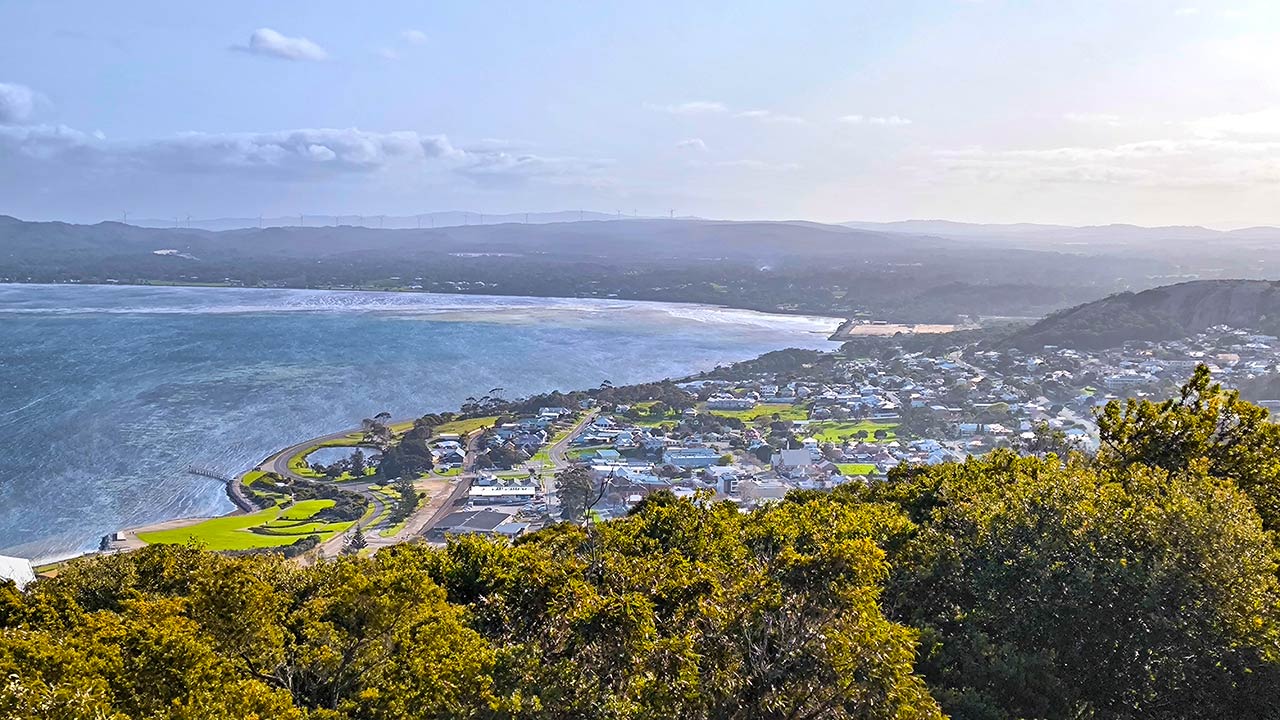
(771, 266)
(1163, 313)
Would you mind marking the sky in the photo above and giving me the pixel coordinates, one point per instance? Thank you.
(1057, 111)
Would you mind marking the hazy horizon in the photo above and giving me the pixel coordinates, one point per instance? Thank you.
(1088, 113)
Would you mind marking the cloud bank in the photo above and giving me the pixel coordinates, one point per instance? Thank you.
(287, 155)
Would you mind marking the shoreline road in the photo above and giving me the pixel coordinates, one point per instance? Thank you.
(560, 460)
(458, 492)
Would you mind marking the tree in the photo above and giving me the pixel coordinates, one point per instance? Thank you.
(1060, 591)
(1046, 440)
(1204, 424)
(357, 463)
(576, 492)
(355, 542)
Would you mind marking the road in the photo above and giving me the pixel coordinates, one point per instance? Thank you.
(559, 454)
(437, 506)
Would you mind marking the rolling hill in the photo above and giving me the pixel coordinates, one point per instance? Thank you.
(1163, 313)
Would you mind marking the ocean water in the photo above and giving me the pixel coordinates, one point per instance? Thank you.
(108, 394)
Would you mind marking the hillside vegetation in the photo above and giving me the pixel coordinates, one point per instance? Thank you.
(1163, 313)
(1140, 583)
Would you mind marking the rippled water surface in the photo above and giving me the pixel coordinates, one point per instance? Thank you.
(107, 394)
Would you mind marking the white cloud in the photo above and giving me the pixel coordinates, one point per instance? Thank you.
(388, 54)
(414, 37)
(287, 155)
(770, 116)
(270, 43)
(1188, 162)
(16, 103)
(692, 144)
(694, 107)
(881, 120)
(1186, 11)
(1261, 123)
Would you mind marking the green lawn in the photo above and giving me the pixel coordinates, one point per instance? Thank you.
(856, 468)
(224, 533)
(838, 432)
(305, 509)
(786, 413)
(271, 527)
(251, 477)
(586, 452)
(451, 472)
(462, 427)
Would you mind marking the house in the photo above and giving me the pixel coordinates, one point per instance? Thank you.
(729, 402)
(17, 569)
(515, 494)
(801, 458)
(478, 522)
(690, 457)
(451, 458)
(762, 489)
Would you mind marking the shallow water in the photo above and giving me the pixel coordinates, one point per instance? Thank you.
(108, 394)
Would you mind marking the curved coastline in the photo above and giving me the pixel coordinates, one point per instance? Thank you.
(684, 338)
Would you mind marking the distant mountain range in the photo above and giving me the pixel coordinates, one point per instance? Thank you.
(1163, 313)
(901, 272)
(445, 218)
(1066, 234)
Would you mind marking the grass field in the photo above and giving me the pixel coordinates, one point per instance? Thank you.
(786, 413)
(462, 427)
(224, 533)
(251, 477)
(856, 468)
(275, 527)
(586, 452)
(838, 432)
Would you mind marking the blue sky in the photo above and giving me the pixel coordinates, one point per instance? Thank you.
(1089, 111)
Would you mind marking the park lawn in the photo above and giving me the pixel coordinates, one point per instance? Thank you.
(838, 432)
(297, 530)
(785, 413)
(251, 477)
(462, 427)
(856, 468)
(305, 509)
(224, 533)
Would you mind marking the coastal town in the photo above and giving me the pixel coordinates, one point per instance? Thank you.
(747, 433)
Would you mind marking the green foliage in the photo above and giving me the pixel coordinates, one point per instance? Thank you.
(1062, 591)
(1204, 424)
